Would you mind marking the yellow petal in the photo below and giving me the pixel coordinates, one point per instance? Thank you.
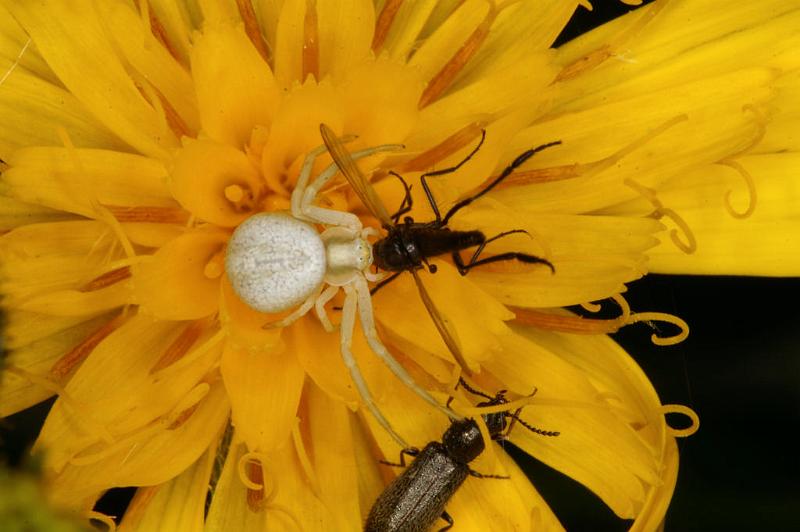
(149, 456)
(34, 111)
(175, 283)
(175, 505)
(229, 509)
(289, 39)
(233, 96)
(176, 20)
(593, 256)
(244, 327)
(116, 391)
(318, 352)
(331, 441)
(286, 502)
(41, 258)
(456, 298)
(406, 26)
(725, 244)
(595, 447)
(14, 213)
(264, 390)
(37, 357)
(380, 101)
(75, 180)
(109, 93)
(345, 34)
(737, 37)
(152, 61)
(675, 130)
(203, 174)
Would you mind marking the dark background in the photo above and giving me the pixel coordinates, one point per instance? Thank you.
(739, 370)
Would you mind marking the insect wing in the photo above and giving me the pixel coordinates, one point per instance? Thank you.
(354, 176)
(439, 321)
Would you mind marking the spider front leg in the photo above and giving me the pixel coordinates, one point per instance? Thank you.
(346, 340)
(308, 194)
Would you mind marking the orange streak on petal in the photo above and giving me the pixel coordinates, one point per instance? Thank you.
(181, 345)
(77, 354)
(444, 149)
(107, 279)
(158, 30)
(162, 215)
(568, 324)
(255, 498)
(442, 80)
(384, 22)
(251, 27)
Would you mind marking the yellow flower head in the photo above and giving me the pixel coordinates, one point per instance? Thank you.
(139, 137)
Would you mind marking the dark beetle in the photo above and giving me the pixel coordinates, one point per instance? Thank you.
(408, 245)
(415, 499)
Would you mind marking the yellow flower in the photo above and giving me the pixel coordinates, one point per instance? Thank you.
(138, 135)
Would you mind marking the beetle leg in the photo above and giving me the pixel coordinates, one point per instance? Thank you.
(446, 517)
(476, 474)
(410, 451)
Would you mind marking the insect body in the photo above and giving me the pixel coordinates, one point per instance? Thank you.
(416, 499)
(276, 261)
(408, 245)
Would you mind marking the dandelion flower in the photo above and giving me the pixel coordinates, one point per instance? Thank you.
(136, 137)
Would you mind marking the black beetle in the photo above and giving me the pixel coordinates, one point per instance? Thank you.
(416, 498)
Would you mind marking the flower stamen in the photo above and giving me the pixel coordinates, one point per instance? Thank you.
(103, 518)
(384, 22)
(662, 316)
(751, 189)
(305, 462)
(252, 29)
(64, 365)
(686, 411)
(660, 211)
(16, 61)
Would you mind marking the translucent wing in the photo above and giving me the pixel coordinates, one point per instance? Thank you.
(354, 176)
(438, 320)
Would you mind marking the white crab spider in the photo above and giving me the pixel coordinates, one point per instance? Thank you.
(275, 261)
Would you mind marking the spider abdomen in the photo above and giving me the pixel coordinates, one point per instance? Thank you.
(275, 261)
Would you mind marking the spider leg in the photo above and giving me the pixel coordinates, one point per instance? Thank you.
(319, 307)
(346, 340)
(371, 334)
(307, 211)
(298, 313)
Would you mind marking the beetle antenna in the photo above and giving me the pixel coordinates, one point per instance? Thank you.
(475, 391)
(516, 418)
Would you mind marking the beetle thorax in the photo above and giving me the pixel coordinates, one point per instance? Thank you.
(348, 254)
(463, 440)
